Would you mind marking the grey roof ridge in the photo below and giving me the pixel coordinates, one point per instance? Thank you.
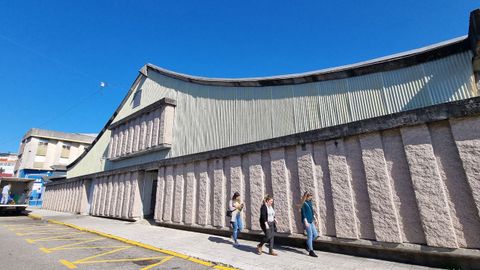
(394, 61)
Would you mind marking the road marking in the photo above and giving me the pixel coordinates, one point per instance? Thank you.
(62, 247)
(68, 264)
(86, 259)
(200, 261)
(54, 238)
(72, 265)
(51, 232)
(159, 263)
(14, 229)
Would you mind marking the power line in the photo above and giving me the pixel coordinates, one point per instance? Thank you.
(66, 67)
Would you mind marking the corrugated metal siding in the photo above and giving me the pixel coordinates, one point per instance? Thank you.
(212, 117)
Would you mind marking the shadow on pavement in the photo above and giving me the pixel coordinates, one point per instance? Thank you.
(289, 249)
(246, 248)
(219, 240)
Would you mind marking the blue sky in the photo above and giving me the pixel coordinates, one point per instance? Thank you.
(54, 54)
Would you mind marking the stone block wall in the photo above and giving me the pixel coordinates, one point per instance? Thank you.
(414, 184)
(411, 177)
(118, 195)
(67, 197)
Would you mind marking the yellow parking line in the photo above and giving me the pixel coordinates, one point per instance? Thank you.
(31, 227)
(73, 244)
(200, 261)
(85, 247)
(134, 243)
(123, 260)
(100, 255)
(159, 263)
(59, 231)
(68, 264)
(35, 216)
(56, 237)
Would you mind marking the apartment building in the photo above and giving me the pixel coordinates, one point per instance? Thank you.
(44, 151)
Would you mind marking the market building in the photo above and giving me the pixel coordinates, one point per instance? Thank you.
(389, 148)
(45, 153)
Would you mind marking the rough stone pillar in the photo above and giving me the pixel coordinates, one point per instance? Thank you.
(108, 201)
(463, 211)
(126, 195)
(169, 188)
(236, 176)
(114, 142)
(345, 223)
(113, 197)
(326, 216)
(203, 192)
(131, 130)
(306, 175)
(98, 196)
(98, 202)
(76, 202)
(178, 199)
(148, 138)
(136, 209)
(143, 133)
(68, 197)
(428, 187)
(105, 196)
(121, 189)
(281, 190)
(404, 197)
(191, 194)
(124, 140)
(257, 188)
(466, 133)
(353, 153)
(158, 215)
(384, 214)
(219, 191)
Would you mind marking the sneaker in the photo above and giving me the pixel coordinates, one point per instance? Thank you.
(312, 254)
(235, 243)
(273, 253)
(259, 249)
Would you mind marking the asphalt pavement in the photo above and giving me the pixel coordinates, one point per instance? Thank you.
(27, 243)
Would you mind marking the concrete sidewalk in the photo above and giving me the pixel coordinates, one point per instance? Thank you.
(219, 249)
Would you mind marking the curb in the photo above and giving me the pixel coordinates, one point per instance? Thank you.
(138, 244)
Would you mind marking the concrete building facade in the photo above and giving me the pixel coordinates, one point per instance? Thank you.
(42, 150)
(388, 147)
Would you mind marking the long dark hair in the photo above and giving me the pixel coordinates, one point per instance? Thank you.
(235, 196)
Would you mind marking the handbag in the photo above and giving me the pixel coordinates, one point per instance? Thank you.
(229, 213)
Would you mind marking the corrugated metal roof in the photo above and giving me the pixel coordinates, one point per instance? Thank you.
(209, 117)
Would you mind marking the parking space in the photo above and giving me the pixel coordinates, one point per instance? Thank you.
(71, 248)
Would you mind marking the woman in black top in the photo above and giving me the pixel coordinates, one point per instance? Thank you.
(267, 223)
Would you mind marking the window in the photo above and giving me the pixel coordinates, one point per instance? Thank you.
(42, 148)
(38, 165)
(136, 98)
(65, 151)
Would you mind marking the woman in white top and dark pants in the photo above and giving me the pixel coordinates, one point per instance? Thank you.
(267, 223)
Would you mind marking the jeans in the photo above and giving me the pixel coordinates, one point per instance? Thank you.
(237, 226)
(4, 199)
(311, 234)
(269, 236)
